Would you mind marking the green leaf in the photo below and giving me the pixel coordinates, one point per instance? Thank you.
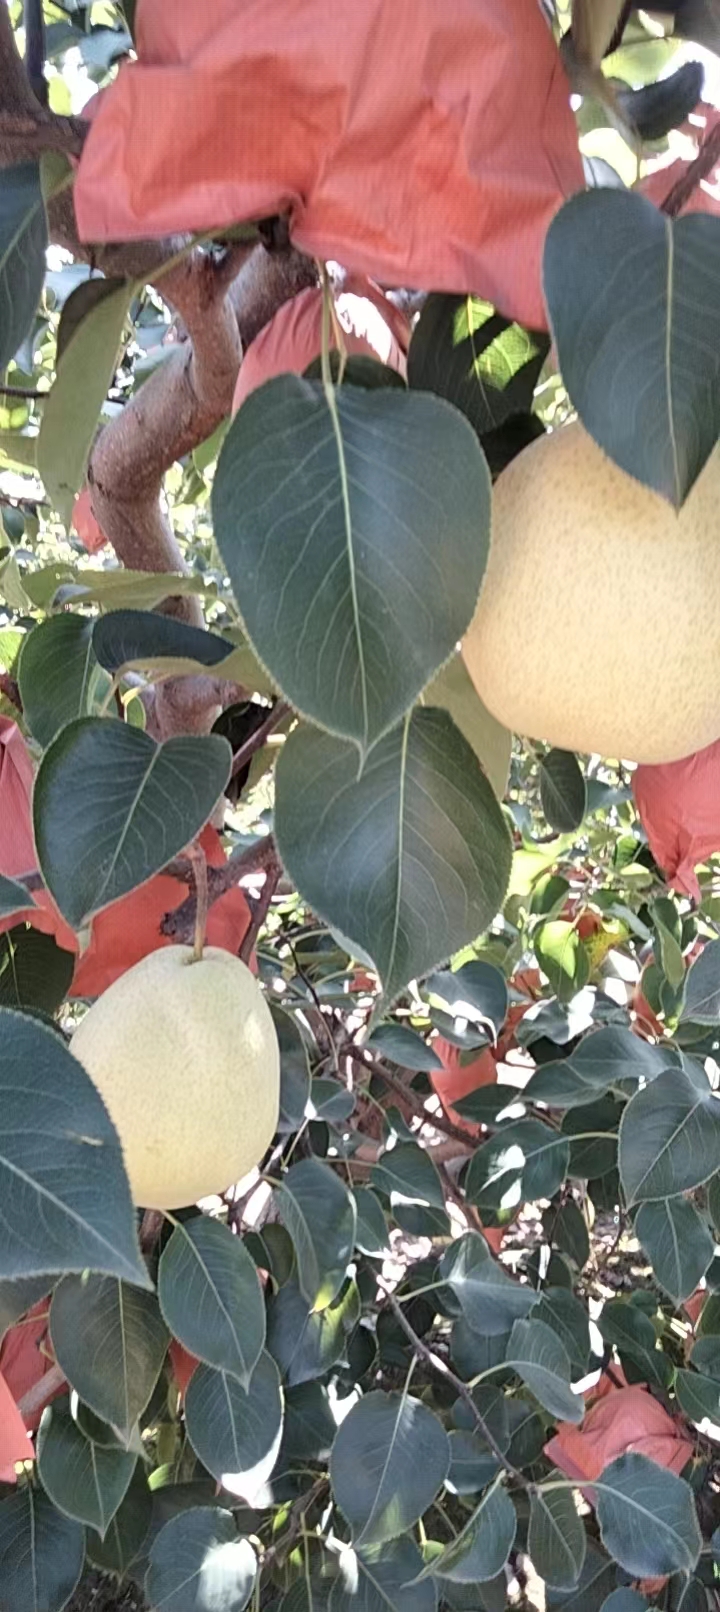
(82, 1479)
(327, 508)
(465, 351)
(381, 1578)
(522, 1162)
(64, 1197)
(111, 808)
(705, 1354)
(294, 1071)
(110, 1341)
(389, 1459)
(669, 1138)
(407, 1174)
(647, 1517)
(59, 676)
(81, 302)
(16, 1298)
(235, 1433)
(560, 1309)
(491, 1301)
(567, 1229)
(563, 791)
(75, 401)
(628, 289)
(371, 1235)
(702, 988)
(562, 957)
(697, 1395)
(41, 1553)
(668, 935)
(210, 1296)
(556, 1539)
(305, 1345)
(129, 639)
(328, 1100)
(319, 1213)
(403, 1047)
(628, 1330)
(23, 242)
(309, 1424)
(199, 1560)
(678, 1244)
(472, 1463)
(13, 897)
(127, 1532)
(596, 1579)
(35, 973)
(483, 1545)
(539, 1357)
(603, 1059)
(477, 992)
(625, 1601)
(412, 859)
(113, 590)
(454, 691)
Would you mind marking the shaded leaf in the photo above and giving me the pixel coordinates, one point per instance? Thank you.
(556, 1539)
(603, 1059)
(82, 1479)
(294, 1071)
(596, 1579)
(319, 1213)
(702, 987)
(210, 1296)
(477, 991)
(483, 1545)
(110, 1340)
(17, 1297)
(625, 1601)
(388, 1461)
(306, 1345)
(522, 1162)
(632, 304)
(412, 859)
(309, 1423)
(563, 791)
(41, 1553)
(87, 296)
(35, 973)
(454, 691)
(236, 1434)
(23, 241)
(58, 675)
(491, 1300)
(125, 639)
(75, 401)
(561, 1310)
(631, 1332)
(371, 1235)
(359, 605)
(472, 1463)
(407, 1174)
(669, 1138)
(647, 1517)
(13, 897)
(63, 1190)
(198, 1561)
(698, 1396)
(465, 351)
(111, 807)
(403, 1047)
(678, 1244)
(380, 1578)
(537, 1354)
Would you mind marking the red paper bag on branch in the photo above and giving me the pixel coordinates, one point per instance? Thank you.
(619, 1419)
(679, 807)
(128, 930)
(427, 143)
(292, 339)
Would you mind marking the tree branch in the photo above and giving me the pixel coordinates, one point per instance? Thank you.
(179, 924)
(26, 127)
(702, 166)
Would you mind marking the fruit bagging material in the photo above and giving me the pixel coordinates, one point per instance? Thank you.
(185, 1056)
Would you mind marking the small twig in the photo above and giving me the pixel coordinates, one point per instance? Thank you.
(151, 1226)
(258, 738)
(199, 865)
(461, 1389)
(179, 924)
(296, 1518)
(413, 1099)
(37, 1397)
(273, 874)
(707, 158)
(27, 393)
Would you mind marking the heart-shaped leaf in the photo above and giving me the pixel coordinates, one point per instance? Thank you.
(198, 1559)
(41, 1553)
(236, 1434)
(75, 401)
(412, 859)
(82, 1479)
(678, 1244)
(389, 1458)
(23, 242)
(319, 1214)
(669, 1138)
(64, 1197)
(210, 1296)
(111, 808)
(491, 1301)
(647, 1518)
(58, 675)
(355, 527)
(110, 1341)
(520, 1163)
(635, 316)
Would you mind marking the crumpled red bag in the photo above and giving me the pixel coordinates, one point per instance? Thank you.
(427, 143)
(619, 1420)
(26, 1357)
(679, 807)
(14, 1442)
(128, 930)
(89, 532)
(292, 339)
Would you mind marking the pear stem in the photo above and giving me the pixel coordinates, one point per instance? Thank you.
(198, 862)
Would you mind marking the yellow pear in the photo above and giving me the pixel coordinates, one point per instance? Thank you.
(184, 1054)
(598, 624)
